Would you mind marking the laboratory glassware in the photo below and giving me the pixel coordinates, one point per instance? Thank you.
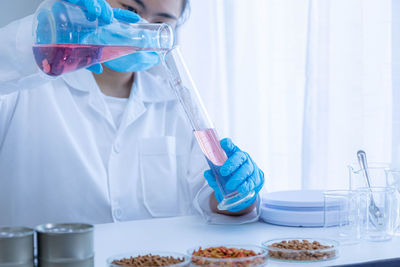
(377, 216)
(342, 218)
(376, 175)
(393, 179)
(203, 128)
(305, 254)
(65, 39)
(136, 254)
(386, 200)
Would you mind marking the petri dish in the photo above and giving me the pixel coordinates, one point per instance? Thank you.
(329, 252)
(253, 261)
(185, 262)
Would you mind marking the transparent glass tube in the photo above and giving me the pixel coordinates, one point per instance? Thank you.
(342, 216)
(65, 39)
(203, 128)
(385, 199)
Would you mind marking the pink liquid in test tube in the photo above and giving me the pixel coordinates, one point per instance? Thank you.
(210, 146)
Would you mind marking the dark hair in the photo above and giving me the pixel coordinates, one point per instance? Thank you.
(185, 12)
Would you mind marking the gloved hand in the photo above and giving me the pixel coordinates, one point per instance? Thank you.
(241, 172)
(95, 9)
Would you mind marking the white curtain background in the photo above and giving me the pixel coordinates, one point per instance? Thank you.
(300, 84)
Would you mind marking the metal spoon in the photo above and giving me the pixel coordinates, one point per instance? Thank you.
(374, 211)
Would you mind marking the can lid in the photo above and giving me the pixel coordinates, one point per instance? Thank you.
(64, 228)
(12, 232)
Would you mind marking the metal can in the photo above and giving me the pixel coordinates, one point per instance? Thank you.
(65, 243)
(16, 246)
(68, 263)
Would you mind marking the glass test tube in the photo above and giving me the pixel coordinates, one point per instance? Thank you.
(203, 128)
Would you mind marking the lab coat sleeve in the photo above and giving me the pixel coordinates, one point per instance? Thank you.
(18, 69)
(202, 198)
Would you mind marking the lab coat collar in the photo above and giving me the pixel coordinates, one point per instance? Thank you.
(148, 87)
(151, 86)
(81, 80)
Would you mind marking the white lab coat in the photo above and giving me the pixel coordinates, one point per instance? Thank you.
(63, 160)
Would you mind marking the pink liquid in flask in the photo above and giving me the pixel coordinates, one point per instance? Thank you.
(215, 155)
(57, 59)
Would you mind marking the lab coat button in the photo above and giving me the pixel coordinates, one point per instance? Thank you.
(118, 213)
(117, 147)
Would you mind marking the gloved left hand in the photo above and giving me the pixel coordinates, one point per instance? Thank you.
(245, 176)
(100, 9)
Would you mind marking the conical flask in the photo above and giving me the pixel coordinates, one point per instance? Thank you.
(66, 39)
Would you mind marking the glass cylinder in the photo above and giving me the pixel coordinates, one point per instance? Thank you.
(393, 180)
(341, 215)
(376, 172)
(203, 128)
(378, 206)
(66, 39)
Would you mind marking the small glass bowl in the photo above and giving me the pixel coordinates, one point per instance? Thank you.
(304, 255)
(258, 260)
(186, 259)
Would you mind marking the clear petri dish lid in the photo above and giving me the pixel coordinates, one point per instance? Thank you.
(258, 260)
(12, 232)
(329, 252)
(128, 255)
(64, 228)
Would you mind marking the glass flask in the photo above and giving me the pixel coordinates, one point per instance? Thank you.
(65, 38)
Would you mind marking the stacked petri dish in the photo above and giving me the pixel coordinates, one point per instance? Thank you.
(65, 245)
(228, 255)
(149, 258)
(16, 247)
(295, 249)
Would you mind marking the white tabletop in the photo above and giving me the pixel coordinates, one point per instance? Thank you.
(181, 233)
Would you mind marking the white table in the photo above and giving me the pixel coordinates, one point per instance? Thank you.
(181, 233)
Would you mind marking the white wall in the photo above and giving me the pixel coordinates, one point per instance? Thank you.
(15, 9)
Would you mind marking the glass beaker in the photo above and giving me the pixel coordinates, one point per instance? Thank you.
(393, 179)
(383, 199)
(203, 128)
(66, 39)
(376, 173)
(341, 215)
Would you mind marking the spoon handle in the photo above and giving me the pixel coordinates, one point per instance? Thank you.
(362, 160)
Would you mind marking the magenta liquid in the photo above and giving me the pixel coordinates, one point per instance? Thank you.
(57, 59)
(215, 155)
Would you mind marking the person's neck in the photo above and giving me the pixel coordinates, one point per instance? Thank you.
(114, 83)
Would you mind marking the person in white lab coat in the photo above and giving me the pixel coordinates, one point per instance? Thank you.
(109, 145)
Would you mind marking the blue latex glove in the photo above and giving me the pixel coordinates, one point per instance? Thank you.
(96, 9)
(241, 172)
